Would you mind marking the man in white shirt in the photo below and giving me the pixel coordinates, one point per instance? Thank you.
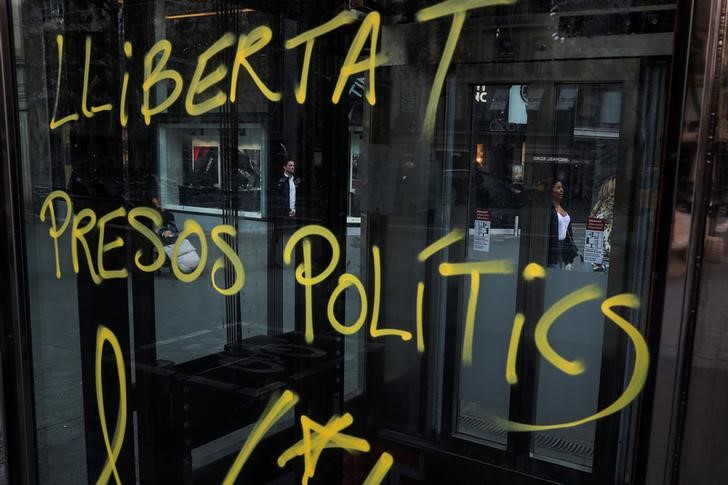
(286, 191)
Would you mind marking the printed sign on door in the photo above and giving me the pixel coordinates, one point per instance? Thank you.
(594, 241)
(481, 238)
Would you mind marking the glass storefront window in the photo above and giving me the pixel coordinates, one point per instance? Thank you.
(426, 226)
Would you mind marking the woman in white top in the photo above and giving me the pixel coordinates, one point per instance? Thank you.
(562, 249)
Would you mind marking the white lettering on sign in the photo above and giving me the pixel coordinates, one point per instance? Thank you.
(481, 95)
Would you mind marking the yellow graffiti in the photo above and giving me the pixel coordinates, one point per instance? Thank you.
(276, 409)
(370, 26)
(449, 239)
(200, 84)
(89, 113)
(326, 436)
(380, 469)
(79, 232)
(533, 271)
(156, 73)
(54, 232)
(576, 367)
(345, 281)
(116, 243)
(309, 37)
(302, 234)
(304, 270)
(374, 329)
(248, 45)
(156, 219)
(418, 317)
(636, 382)
(191, 227)
(123, 113)
(451, 7)
(498, 266)
(229, 252)
(74, 116)
(113, 447)
(458, 9)
(518, 321)
(474, 269)
(79, 235)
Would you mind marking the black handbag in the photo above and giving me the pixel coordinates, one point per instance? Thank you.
(569, 252)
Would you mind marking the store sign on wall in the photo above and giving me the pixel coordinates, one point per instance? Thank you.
(316, 436)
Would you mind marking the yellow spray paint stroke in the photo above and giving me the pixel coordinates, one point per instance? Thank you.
(309, 38)
(73, 116)
(636, 382)
(374, 329)
(458, 9)
(123, 113)
(428, 127)
(53, 231)
(191, 227)
(451, 7)
(369, 27)
(420, 323)
(533, 271)
(276, 409)
(113, 447)
(156, 219)
(469, 331)
(572, 368)
(231, 255)
(518, 321)
(498, 266)
(380, 469)
(475, 269)
(327, 436)
(304, 270)
(308, 290)
(346, 280)
(306, 232)
(78, 234)
(248, 45)
(156, 73)
(451, 238)
(103, 248)
(89, 113)
(200, 84)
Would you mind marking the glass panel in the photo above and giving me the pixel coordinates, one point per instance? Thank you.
(240, 216)
(583, 190)
(498, 132)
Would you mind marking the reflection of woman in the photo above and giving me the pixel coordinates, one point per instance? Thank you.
(604, 209)
(562, 249)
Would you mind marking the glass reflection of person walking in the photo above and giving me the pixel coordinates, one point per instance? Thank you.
(604, 209)
(562, 249)
(286, 189)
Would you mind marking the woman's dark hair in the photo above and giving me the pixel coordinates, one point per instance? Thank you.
(556, 180)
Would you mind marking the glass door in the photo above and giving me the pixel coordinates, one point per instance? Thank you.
(553, 213)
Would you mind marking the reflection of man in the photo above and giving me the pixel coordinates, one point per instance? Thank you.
(286, 191)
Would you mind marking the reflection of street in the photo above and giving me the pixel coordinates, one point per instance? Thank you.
(189, 324)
